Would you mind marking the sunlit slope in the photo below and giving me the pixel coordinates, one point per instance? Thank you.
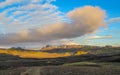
(35, 54)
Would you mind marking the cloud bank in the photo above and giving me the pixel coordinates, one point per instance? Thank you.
(63, 42)
(19, 15)
(98, 37)
(113, 20)
(82, 21)
(88, 39)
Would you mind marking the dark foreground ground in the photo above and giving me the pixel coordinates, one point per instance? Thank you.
(62, 70)
(79, 65)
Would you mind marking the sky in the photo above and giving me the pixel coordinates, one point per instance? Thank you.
(35, 23)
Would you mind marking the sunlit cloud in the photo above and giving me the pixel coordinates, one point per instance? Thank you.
(82, 21)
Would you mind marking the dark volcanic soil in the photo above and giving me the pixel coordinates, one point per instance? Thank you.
(63, 70)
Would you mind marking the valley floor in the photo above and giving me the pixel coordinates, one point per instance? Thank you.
(69, 69)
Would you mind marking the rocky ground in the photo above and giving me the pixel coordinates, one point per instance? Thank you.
(62, 70)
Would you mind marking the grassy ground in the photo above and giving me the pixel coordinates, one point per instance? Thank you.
(79, 68)
(97, 64)
(14, 71)
(63, 70)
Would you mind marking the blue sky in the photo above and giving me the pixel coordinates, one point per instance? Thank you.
(39, 22)
(111, 6)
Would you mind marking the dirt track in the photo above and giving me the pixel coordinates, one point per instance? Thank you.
(32, 71)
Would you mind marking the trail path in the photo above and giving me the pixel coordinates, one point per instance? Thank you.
(32, 71)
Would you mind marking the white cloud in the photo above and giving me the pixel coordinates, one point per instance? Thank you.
(98, 37)
(33, 13)
(113, 20)
(64, 42)
(9, 2)
(83, 21)
(89, 38)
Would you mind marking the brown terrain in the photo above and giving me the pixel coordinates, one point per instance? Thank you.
(72, 60)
